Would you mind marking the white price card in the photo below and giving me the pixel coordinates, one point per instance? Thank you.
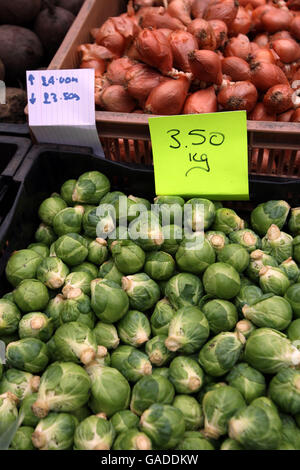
(61, 107)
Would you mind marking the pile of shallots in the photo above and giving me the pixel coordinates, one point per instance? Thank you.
(199, 56)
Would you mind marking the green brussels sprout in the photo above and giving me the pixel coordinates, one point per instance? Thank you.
(269, 350)
(159, 265)
(221, 280)
(172, 235)
(28, 354)
(76, 342)
(106, 335)
(98, 252)
(108, 270)
(269, 311)
(36, 325)
(268, 213)
(290, 434)
(54, 309)
(157, 351)
(278, 244)
(45, 234)
(52, 272)
(221, 315)
(77, 307)
(91, 187)
(29, 418)
(131, 362)
(164, 425)
(128, 257)
(49, 208)
(188, 330)
(294, 221)
(111, 197)
(245, 328)
(10, 316)
(71, 248)
(291, 270)
(202, 213)
(248, 381)
(40, 248)
(246, 238)
(293, 331)
(221, 353)
(124, 420)
(8, 411)
(227, 221)
(247, 296)
(86, 267)
(296, 249)
(128, 208)
(170, 209)
(79, 280)
(230, 444)
(186, 375)
(52, 250)
(110, 390)
(81, 413)
(31, 296)
(134, 328)
(257, 427)
(55, 432)
(109, 302)
(22, 439)
(284, 390)
(184, 289)
(91, 219)
(94, 433)
(133, 439)
(217, 239)
(64, 387)
(68, 220)
(66, 191)
(161, 317)
(193, 440)
(9, 296)
(149, 390)
(195, 254)
(20, 383)
(292, 295)
(219, 405)
(22, 265)
(191, 410)
(259, 259)
(142, 291)
(146, 231)
(235, 255)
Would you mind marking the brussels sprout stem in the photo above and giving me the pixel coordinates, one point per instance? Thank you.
(142, 443)
(172, 344)
(194, 383)
(237, 427)
(38, 439)
(101, 352)
(156, 358)
(101, 415)
(35, 383)
(72, 292)
(217, 241)
(37, 323)
(87, 356)
(141, 337)
(40, 408)
(211, 432)
(273, 232)
(102, 446)
(256, 254)
(147, 369)
(249, 238)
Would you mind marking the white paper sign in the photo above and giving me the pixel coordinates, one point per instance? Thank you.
(62, 108)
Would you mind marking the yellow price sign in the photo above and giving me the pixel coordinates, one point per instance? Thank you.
(201, 155)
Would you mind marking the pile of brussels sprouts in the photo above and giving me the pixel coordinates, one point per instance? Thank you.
(153, 341)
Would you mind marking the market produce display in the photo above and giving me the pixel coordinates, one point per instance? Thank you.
(143, 337)
(199, 56)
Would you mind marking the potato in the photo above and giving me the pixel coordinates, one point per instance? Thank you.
(19, 12)
(13, 110)
(72, 5)
(2, 70)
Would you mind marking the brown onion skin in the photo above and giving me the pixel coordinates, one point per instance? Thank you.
(295, 27)
(286, 116)
(203, 33)
(239, 46)
(109, 37)
(116, 70)
(155, 50)
(166, 31)
(278, 99)
(253, 3)
(126, 25)
(199, 7)
(260, 113)
(262, 40)
(287, 49)
(238, 69)
(141, 80)
(182, 43)
(241, 23)
(98, 65)
(181, 9)
(264, 76)
(264, 54)
(206, 66)
(276, 19)
(202, 101)
(257, 15)
(161, 20)
(116, 99)
(225, 10)
(296, 115)
(95, 52)
(238, 96)
(221, 31)
(280, 35)
(168, 97)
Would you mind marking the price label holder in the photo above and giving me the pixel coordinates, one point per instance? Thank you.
(61, 107)
(201, 155)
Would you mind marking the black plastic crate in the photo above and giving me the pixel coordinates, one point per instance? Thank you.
(47, 167)
(21, 130)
